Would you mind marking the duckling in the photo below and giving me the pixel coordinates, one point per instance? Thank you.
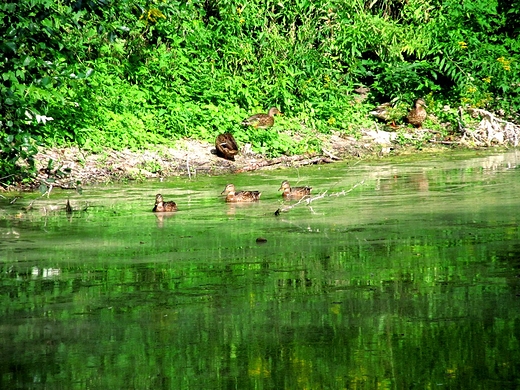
(294, 192)
(240, 196)
(226, 146)
(162, 206)
(262, 121)
(418, 114)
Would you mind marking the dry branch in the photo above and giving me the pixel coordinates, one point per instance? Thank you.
(285, 161)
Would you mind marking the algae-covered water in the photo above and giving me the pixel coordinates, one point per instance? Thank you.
(405, 274)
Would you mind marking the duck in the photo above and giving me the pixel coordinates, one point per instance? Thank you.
(262, 121)
(362, 94)
(418, 114)
(294, 192)
(240, 196)
(226, 146)
(389, 113)
(382, 112)
(162, 206)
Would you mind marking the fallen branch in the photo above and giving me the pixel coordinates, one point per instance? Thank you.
(188, 166)
(434, 141)
(347, 191)
(307, 199)
(285, 161)
(332, 156)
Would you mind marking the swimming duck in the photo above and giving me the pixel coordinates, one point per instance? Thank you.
(162, 206)
(262, 121)
(226, 146)
(240, 196)
(294, 192)
(418, 114)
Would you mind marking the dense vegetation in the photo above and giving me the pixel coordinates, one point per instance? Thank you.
(128, 74)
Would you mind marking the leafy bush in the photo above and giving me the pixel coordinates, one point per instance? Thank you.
(128, 74)
(35, 63)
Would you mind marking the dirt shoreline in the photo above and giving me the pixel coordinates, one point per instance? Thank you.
(73, 168)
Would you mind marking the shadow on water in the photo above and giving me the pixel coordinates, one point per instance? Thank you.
(411, 280)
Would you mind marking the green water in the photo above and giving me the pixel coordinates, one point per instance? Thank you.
(410, 280)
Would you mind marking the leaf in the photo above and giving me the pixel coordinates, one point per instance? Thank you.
(27, 61)
(441, 64)
(11, 45)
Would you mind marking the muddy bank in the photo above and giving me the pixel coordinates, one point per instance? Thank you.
(72, 168)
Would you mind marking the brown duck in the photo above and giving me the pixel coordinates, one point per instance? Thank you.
(262, 121)
(418, 114)
(382, 112)
(388, 113)
(240, 196)
(226, 146)
(162, 206)
(294, 192)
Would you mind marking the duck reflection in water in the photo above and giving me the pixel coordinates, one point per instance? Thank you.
(162, 217)
(239, 208)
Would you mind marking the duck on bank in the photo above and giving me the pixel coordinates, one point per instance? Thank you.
(262, 121)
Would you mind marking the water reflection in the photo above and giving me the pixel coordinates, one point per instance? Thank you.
(45, 272)
(162, 217)
(410, 281)
(233, 209)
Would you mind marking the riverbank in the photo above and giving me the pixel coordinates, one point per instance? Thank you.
(73, 168)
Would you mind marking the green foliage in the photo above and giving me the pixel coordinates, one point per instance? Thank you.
(35, 62)
(477, 57)
(128, 74)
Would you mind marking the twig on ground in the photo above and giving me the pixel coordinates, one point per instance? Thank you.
(188, 166)
(332, 156)
(434, 141)
(306, 199)
(293, 161)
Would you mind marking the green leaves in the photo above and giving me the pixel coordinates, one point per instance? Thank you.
(35, 62)
(129, 73)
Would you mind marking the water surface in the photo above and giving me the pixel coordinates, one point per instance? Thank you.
(409, 280)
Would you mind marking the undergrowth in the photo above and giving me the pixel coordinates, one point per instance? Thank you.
(130, 74)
